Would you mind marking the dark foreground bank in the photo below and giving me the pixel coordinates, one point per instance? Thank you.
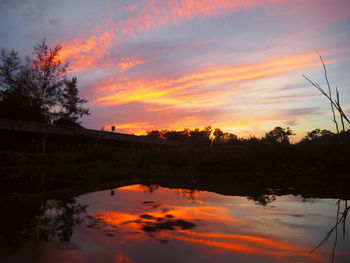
(32, 186)
(309, 170)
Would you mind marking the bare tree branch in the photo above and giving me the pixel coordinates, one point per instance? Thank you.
(338, 103)
(331, 100)
(329, 90)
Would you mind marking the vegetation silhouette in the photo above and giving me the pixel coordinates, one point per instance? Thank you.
(39, 89)
(53, 220)
(195, 137)
(261, 199)
(279, 135)
(319, 151)
(190, 194)
(209, 137)
(56, 219)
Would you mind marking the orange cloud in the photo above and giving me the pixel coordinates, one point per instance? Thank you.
(173, 91)
(126, 63)
(84, 52)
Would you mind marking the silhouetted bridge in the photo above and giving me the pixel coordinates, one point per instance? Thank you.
(19, 134)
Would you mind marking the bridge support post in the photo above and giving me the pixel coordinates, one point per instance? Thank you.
(43, 143)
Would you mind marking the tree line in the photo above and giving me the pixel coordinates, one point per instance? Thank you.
(38, 88)
(216, 137)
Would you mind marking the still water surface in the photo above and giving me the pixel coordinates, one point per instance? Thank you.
(153, 224)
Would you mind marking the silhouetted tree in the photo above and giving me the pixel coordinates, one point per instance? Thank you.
(195, 137)
(71, 103)
(200, 137)
(181, 136)
(17, 105)
(154, 134)
(39, 90)
(222, 138)
(218, 134)
(47, 74)
(317, 135)
(10, 65)
(16, 97)
(279, 135)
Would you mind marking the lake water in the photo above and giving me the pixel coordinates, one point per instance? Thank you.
(139, 223)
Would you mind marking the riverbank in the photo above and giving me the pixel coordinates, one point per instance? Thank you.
(247, 172)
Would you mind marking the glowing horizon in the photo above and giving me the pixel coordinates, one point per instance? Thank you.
(234, 65)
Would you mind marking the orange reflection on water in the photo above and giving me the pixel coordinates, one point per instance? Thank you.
(248, 244)
(121, 258)
(135, 187)
(199, 224)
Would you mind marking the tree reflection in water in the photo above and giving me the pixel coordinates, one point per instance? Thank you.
(55, 220)
(340, 220)
(150, 188)
(263, 200)
(189, 193)
(52, 220)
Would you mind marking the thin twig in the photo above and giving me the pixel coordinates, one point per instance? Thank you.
(329, 90)
(338, 103)
(331, 100)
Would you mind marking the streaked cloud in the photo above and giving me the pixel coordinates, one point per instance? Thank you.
(173, 91)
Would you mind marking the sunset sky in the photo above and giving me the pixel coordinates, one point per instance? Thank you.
(235, 65)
